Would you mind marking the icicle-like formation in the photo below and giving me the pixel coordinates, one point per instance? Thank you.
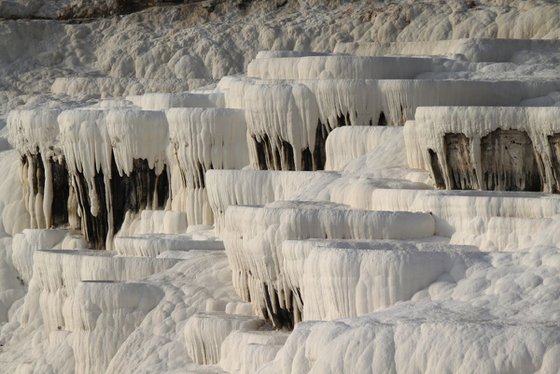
(414, 152)
(253, 237)
(202, 139)
(34, 129)
(102, 315)
(158, 101)
(284, 131)
(257, 187)
(138, 135)
(288, 122)
(474, 49)
(233, 88)
(87, 150)
(498, 148)
(57, 274)
(345, 144)
(341, 278)
(205, 333)
(34, 133)
(282, 121)
(344, 102)
(344, 67)
(393, 101)
(116, 159)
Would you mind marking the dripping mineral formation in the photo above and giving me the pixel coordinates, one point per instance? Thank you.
(280, 187)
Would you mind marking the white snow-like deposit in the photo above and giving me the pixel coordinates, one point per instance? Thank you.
(91, 138)
(345, 144)
(454, 211)
(257, 187)
(539, 124)
(159, 101)
(341, 279)
(203, 139)
(34, 133)
(104, 314)
(344, 67)
(158, 344)
(435, 346)
(473, 49)
(279, 113)
(253, 239)
(363, 101)
(436, 307)
(153, 245)
(136, 134)
(248, 351)
(34, 130)
(24, 244)
(503, 309)
(288, 121)
(205, 333)
(85, 142)
(57, 274)
(151, 315)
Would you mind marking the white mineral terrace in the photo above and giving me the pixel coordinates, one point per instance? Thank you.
(363, 198)
(31, 131)
(253, 238)
(96, 308)
(203, 139)
(473, 49)
(205, 333)
(347, 278)
(257, 187)
(57, 275)
(344, 67)
(158, 101)
(505, 148)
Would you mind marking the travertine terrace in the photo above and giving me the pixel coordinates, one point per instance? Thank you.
(280, 187)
